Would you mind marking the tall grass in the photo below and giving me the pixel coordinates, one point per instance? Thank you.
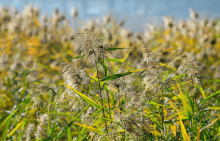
(105, 82)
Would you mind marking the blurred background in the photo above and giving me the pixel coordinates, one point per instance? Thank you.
(135, 12)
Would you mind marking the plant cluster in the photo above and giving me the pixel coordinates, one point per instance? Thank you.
(103, 82)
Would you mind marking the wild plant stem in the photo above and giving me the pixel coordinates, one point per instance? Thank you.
(100, 93)
(109, 105)
(107, 92)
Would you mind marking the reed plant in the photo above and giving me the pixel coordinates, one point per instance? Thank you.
(104, 82)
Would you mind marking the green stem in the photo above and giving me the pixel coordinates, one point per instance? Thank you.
(162, 109)
(100, 93)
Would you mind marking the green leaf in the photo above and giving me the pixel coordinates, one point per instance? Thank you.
(186, 107)
(102, 133)
(94, 96)
(113, 60)
(155, 103)
(101, 83)
(104, 67)
(38, 81)
(189, 99)
(210, 124)
(6, 129)
(122, 61)
(69, 134)
(81, 134)
(173, 93)
(115, 48)
(91, 82)
(75, 58)
(9, 117)
(201, 112)
(70, 124)
(209, 97)
(1, 99)
(213, 108)
(115, 76)
(25, 81)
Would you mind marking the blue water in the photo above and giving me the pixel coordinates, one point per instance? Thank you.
(135, 12)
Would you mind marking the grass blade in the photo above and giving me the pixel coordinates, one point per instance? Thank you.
(183, 130)
(210, 124)
(209, 97)
(117, 48)
(8, 118)
(16, 128)
(198, 133)
(203, 94)
(113, 60)
(101, 83)
(69, 134)
(6, 129)
(102, 133)
(87, 99)
(1, 99)
(91, 82)
(122, 61)
(104, 67)
(88, 127)
(75, 57)
(81, 134)
(115, 76)
(184, 103)
(70, 124)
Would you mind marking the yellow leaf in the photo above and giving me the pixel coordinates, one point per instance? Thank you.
(173, 129)
(16, 128)
(202, 92)
(183, 130)
(88, 100)
(88, 127)
(198, 133)
(122, 61)
(168, 66)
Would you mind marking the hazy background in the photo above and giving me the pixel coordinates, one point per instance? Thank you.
(135, 12)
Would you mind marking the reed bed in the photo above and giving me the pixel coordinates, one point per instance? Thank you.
(100, 81)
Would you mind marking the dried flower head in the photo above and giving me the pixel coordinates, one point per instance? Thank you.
(189, 65)
(36, 97)
(42, 121)
(132, 127)
(74, 12)
(154, 72)
(193, 15)
(30, 129)
(168, 22)
(72, 77)
(92, 47)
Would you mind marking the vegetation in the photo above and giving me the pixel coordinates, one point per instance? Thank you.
(100, 81)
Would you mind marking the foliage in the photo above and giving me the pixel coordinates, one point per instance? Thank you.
(108, 83)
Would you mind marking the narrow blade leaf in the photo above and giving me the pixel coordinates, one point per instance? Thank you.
(87, 99)
(16, 128)
(115, 76)
(113, 60)
(183, 130)
(209, 97)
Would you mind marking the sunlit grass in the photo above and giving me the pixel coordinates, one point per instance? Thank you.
(107, 83)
